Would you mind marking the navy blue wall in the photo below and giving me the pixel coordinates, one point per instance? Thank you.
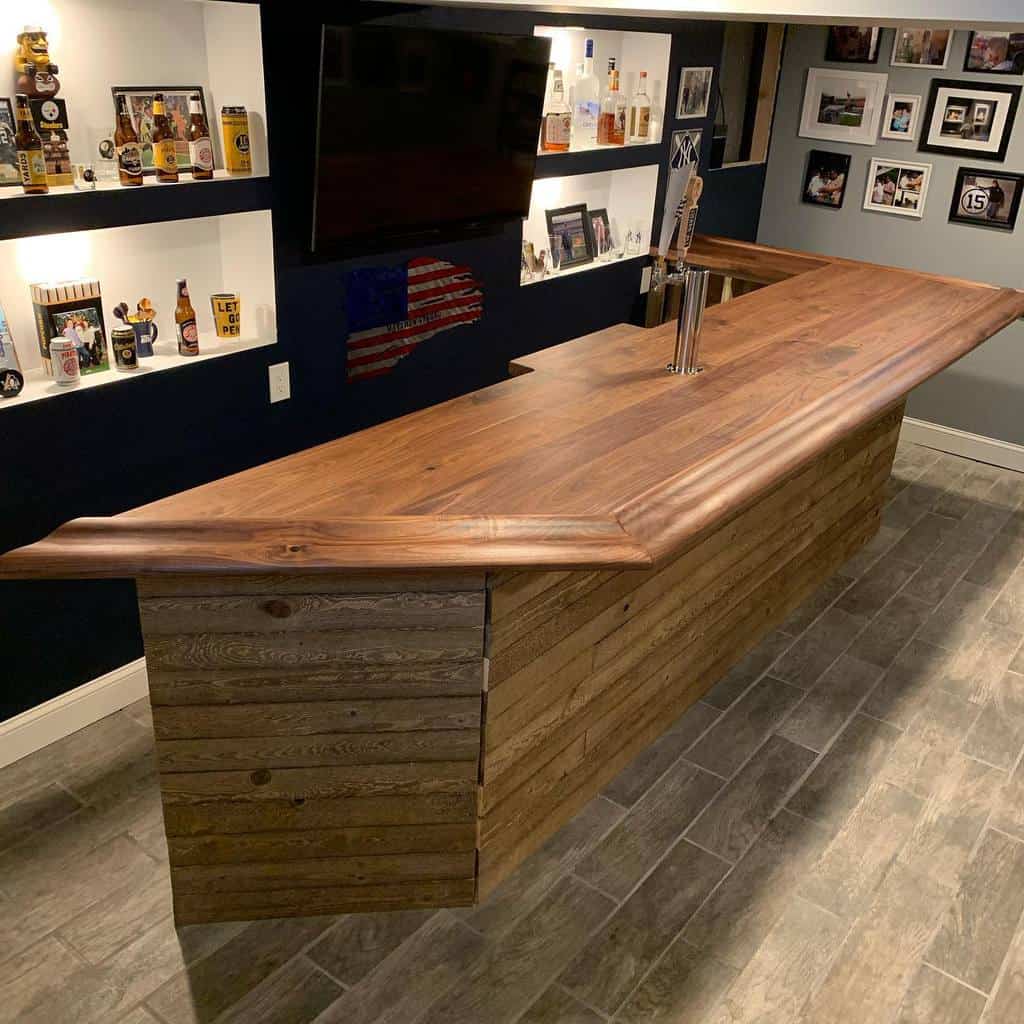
(102, 451)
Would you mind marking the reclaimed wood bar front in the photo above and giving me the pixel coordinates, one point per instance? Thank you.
(384, 670)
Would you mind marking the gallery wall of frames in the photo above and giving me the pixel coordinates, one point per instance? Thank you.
(905, 146)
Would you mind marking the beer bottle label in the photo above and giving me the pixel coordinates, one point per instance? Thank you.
(32, 165)
(129, 159)
(188, 338)
(164, 157)
(200, 154)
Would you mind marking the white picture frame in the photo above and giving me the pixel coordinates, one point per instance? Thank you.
(898, 187)
(843, 105)
(892, 117)
(694, 95)
(909, 36)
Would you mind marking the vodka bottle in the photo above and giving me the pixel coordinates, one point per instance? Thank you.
(586, 103)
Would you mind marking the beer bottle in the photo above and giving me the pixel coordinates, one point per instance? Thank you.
(185, 320)
(126, 146)
(29, 146)
(165, 158)
(200, 148)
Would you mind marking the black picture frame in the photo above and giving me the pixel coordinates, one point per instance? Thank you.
(834, 44)
(10, 176)
(602, 216)
(173, 95)
(956, 216)
(1015, 52)
(824, 159)
(964, 89)
(576, 210)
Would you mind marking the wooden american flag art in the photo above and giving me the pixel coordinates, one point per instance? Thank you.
(391, 310)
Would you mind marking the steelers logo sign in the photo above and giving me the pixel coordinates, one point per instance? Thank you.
(974, 201)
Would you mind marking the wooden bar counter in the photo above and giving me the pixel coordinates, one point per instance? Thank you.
(384, 670)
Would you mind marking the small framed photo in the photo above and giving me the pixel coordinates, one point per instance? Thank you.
(921, 47)
(694, 92)
(843, 106)
(852, 44)
(140, 104)
(9, 173)
(685, 146)
(572, 226)
(988, 198)
(897, 187)
(825, 178)
(995, 53)
(902, 114)
(601, 231)
(962, 118)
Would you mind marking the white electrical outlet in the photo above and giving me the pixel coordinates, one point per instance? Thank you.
(280, 382)
(645, 281)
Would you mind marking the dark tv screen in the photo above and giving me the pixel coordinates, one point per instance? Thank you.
(423, 135)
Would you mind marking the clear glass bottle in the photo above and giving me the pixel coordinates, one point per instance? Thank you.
(611, 126)
(640, 113)
(557, 126)
(586, 102)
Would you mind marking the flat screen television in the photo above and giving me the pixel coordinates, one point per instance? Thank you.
(423, 136)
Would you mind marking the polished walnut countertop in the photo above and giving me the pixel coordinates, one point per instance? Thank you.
(591, 454)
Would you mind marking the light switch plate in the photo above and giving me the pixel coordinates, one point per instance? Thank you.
(645, 281)
(280, 382)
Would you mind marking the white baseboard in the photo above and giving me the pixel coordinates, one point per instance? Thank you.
(960, 442)
(38, 727)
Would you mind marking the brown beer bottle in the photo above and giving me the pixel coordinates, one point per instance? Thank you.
(29, 146)
(126, 146)
(200, 148)
(165, 159)
(185, 321)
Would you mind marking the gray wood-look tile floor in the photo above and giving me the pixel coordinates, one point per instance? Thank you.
(834, 834)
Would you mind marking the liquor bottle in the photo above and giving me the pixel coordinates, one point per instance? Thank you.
(200, 149)
(126, 146)
(611, 126)
(586, 103)
(557, 126)
(185, 321)
(29, 146)
(640, 113)
(165, 159)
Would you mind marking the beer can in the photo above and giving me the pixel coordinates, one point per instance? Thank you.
(234, 124)
(64, 359)
(126, 356)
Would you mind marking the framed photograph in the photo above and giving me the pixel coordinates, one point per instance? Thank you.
(573, 226)
(961, 118)
(901, 118)
(921, 47)
(897, 187)
(843, 106)
(694, 92)
(9, 173)
(601, 231)
(825, 178)
(852, 44)
(681, 146)
(140, 103)
(995, 53)
(988, 198)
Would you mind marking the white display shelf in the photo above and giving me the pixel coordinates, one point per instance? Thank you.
(38, 386)
(149, 184)
(573, 271)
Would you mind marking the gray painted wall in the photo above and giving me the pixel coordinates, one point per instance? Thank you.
(984, 392)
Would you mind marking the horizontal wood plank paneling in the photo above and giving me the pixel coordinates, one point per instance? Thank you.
(267, 584)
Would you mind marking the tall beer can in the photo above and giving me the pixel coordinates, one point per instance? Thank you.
(64, 357)
(234, 125)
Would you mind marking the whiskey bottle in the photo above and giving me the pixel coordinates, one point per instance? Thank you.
(557, 126)
(640, 113)
(611, 126)
(586, 103)
(165, 157)
(29, 147)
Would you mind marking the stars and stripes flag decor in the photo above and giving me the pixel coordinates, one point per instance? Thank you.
(391, 310)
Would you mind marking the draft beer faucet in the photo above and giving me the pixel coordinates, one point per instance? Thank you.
(694, 284)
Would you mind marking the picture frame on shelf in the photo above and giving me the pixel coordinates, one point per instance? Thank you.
(852, 44)
(962, 118)
(926, 48)
(9, 173)
(601, 231)
(843, 105)
(826, 178)
(986, 198)
(694, 92)
(902, 116)
(572, 225)
(140, 104)
(679, 148)
(995, 53)
(897, 186)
